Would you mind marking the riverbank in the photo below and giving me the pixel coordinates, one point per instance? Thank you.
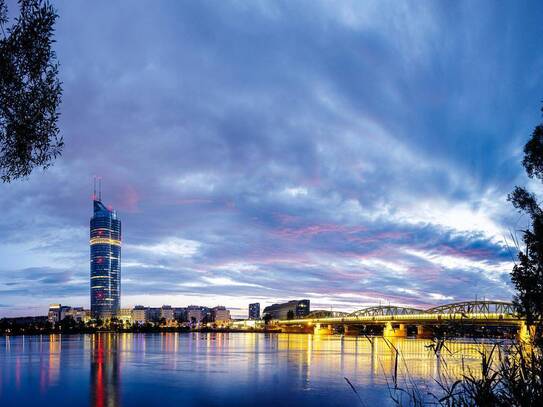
(33, 330)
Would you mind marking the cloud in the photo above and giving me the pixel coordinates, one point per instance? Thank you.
(352, 154)
(225, 281)
(171, 247)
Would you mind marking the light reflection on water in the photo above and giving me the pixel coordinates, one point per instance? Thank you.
(237, 369)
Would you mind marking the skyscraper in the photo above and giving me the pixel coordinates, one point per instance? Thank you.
(105, 261)
(254, 311)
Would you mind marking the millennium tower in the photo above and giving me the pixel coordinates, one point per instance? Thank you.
(105, 261)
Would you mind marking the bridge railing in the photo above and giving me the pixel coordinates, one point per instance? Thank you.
(477, 310)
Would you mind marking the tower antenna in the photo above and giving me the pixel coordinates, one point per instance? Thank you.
(100, 189)
(94, 190)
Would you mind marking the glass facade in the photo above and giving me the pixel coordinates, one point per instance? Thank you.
(254, 311)
(299, 309)
(105, 262)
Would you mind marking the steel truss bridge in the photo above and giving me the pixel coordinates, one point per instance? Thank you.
(395, 318)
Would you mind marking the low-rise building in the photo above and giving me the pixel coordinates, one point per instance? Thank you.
(77, 313)
(167, 313)
(220, 315)
(58, 312)
(292, 309)
(153, 314)
(196, 314)
(139, 315)
(180, 314)
(54, 314)
(125, 315)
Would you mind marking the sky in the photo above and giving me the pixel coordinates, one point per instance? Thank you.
(352, 153)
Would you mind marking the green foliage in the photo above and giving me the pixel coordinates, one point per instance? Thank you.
(68, 324)
(533, 153)
(30, 91)
(527, 274)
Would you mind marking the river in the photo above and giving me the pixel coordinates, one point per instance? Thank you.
(220, 369)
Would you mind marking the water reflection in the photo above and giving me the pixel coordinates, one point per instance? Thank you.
(53, 371)
(104, 370)
(218, 369)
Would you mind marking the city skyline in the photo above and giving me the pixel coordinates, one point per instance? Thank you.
(375, 170)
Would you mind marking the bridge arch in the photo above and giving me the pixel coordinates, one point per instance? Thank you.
(474, 307)
(382, 310)
(325, 314)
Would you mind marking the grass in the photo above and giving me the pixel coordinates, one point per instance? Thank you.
(510, 375)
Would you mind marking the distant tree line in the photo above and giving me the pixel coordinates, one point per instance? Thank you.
(40, 325)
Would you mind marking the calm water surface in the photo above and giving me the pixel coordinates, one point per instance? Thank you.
(197, 369)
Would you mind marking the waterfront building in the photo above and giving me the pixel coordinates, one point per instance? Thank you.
(105, 261)
(58, 312)
(125, 315)
(195, 313)
(78, 314)
(180, 314)
(220, 315)
(55, 314)
(167, 313)
(297, 309)
(139, 315)
(254, 311)
(153, 314)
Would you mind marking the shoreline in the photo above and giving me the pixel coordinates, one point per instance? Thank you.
(240, 331)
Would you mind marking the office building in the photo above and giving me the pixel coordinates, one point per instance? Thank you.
(294, 309)
(220, 315)
(180, 314)
(139, 315)
(58, 312)
(196, 313)
(125, 315)
(254, 311)
(153, 314)
(167, 313)
(105, 261)
(78, 314)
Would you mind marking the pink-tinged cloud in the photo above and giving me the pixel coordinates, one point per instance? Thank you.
(129, 199)
(310, 231)
(192, 201)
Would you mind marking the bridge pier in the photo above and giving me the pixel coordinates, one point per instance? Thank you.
(423, 332)
(526, 333)
(399, 332)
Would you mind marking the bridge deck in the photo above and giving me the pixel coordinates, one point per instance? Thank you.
(414, 319)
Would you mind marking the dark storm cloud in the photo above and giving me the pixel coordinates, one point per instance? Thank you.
(350, 153)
